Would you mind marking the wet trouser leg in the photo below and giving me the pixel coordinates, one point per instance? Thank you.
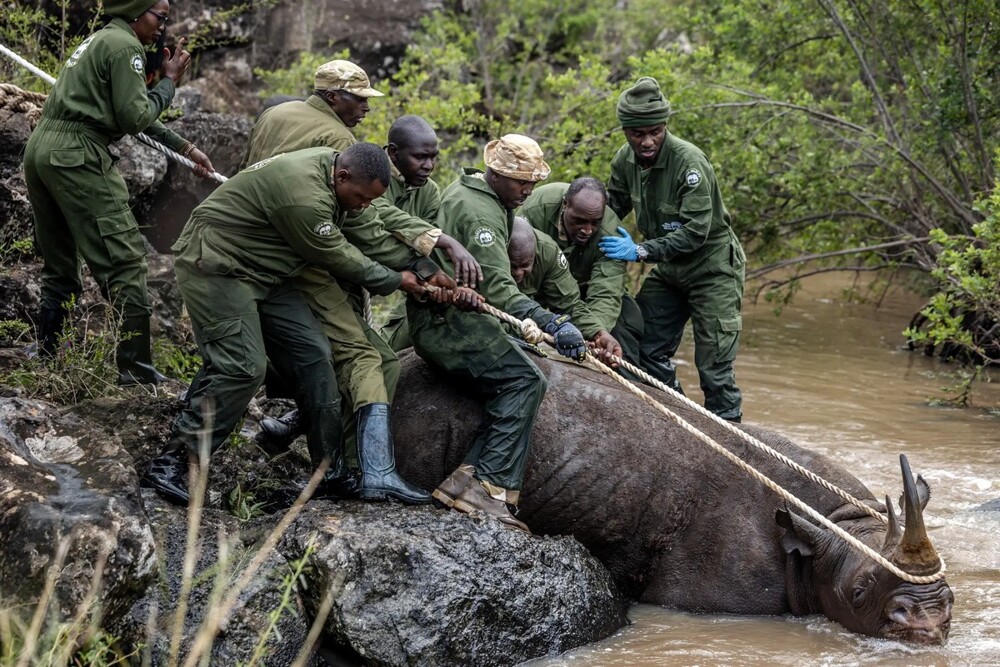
(299, 353)
(62, 165)
(473, 348)
(227, 327)
(716, 296)
(708, 289)
(351, 404)
(665, 311)
(361, 367)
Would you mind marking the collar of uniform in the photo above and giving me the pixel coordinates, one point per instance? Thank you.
(661, 158)
(317, 102)
(560, 227)
(118, 23)
(476, 179)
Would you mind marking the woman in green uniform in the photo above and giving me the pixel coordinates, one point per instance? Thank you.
(79, 201)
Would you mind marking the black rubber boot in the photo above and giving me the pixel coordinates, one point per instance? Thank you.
(134, 355)
(277, 435)
(50, 324)
(168, 474)
(379, 479)
(339, 484)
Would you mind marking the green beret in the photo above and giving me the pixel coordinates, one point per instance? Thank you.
(643, 104)
(127, 9)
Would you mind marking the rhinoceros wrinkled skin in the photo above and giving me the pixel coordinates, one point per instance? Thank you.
(676, 523)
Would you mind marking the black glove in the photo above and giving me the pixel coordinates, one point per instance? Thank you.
(569, 341)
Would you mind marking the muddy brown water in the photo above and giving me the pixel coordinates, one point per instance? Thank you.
(834, 377)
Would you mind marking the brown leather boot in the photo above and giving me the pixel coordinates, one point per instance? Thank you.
(454, 484)
(475, 498)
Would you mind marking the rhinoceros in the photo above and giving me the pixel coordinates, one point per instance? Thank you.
(677, 524)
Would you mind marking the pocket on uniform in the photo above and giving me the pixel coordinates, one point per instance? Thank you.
(729, 337)
(67, 157)
(121, 237)
(226, 349)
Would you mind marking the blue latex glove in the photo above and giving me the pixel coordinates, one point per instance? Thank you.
(619, 248)
(568, 339)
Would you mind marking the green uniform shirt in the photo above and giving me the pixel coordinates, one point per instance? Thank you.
(551, 284)
(311, 123)
(601, 280)
(678, 204)
(411, 214)
(293, 126)
(103, 87)
(472, 213)
(269, 221)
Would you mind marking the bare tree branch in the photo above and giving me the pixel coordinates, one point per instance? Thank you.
(802, 259)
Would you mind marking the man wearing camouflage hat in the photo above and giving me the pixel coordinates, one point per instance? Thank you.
(339, 101)
(699, 268)
(478, 210)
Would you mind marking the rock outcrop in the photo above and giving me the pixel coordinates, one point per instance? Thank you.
(417, 585)
(68, 494)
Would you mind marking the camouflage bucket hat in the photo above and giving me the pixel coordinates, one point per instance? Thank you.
(516, 156)
(344, 75)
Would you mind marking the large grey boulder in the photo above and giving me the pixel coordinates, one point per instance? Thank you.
(65, 484)
(420, 586)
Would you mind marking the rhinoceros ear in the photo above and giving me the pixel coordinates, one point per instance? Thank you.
(800, 535)
(923, 494)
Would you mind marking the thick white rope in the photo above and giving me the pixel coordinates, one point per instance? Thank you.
(530, 328)
(152, 143)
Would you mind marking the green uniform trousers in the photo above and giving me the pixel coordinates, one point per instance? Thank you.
(80, 207)
(473, 349)
(240, 327)
(706, 288)
(367, 369)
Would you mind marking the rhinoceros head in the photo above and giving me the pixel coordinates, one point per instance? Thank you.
(825, 575)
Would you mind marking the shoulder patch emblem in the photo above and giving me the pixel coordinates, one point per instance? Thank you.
(75, 58)
(692, 177)
(562, 260)
(138, 65)
(323, 229)
(485, 237)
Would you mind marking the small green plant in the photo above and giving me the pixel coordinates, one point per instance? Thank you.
(297, 78)
(83, 366)
(176, 361)
(243, 503)
(16, 251)
(13, 332)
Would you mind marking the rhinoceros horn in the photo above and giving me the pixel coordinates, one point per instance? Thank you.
(914, 554)
(893, 532)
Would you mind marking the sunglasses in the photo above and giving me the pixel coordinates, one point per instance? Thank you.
(162, 18)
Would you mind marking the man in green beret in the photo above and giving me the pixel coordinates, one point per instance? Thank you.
(699, 271)
(79, 200)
